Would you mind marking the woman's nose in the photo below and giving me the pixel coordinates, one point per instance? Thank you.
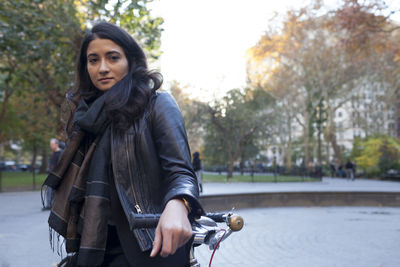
(104, 67)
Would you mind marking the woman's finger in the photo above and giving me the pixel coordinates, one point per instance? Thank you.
(157, 242)
(169, 244)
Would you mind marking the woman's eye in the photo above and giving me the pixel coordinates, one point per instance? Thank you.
(92, 60)
(115, 58)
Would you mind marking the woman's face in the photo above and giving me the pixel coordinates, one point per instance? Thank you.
(106, 63)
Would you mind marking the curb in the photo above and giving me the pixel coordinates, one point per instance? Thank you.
(300, 199)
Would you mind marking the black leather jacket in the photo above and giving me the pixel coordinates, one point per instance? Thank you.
(152, 165)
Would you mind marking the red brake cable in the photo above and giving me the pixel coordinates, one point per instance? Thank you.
(215, 249)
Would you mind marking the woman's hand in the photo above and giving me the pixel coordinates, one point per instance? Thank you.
(173, 229)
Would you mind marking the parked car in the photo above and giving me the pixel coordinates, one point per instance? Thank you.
(393, 175)
(22, 167)
(7, 165)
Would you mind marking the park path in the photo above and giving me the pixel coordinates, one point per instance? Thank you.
(276, 237)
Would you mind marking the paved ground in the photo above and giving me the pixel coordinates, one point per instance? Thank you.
(276, 237)
(312, 237)
(24, 233)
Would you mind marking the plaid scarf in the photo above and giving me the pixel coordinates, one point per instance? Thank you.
(81, 208)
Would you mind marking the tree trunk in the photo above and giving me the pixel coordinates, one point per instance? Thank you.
(397, 113)
(336, 148)
(233, 156)
(319, 148)
(230, 169)
(34, 157)
(307, 152)
(230, 161)
(43, 167)
(331, 137)
(33, 164)
(328, 152)
(1, 150)
(289, 144)
(4, 101)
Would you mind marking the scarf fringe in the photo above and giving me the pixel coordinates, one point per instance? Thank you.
(60, 245)
(43, 195)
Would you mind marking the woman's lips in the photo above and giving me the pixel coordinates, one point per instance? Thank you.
(105, 80)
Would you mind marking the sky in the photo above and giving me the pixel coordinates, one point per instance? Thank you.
(204, 42)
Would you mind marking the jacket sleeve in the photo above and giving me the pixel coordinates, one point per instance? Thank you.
(168, 129)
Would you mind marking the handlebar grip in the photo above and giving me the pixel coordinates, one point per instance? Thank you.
(217, 217)
(144, 220)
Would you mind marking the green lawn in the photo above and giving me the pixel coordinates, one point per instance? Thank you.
(20, 180)
(11, 181)
(257, 178)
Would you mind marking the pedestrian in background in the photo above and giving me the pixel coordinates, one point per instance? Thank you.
(350, 170)
(340, 171)
(333, 169)
(198, 169)
(55, 156)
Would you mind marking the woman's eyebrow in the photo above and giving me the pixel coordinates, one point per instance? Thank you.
(107, 54)
(92, 55)
(113, 52)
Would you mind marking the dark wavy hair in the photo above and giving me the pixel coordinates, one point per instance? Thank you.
(128, 98)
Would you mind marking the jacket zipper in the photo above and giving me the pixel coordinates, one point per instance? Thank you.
(140, 174)
(137, 207)
(138, 234)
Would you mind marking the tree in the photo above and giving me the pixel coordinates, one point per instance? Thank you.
(305, 65)
(390, 158)
(371, 36)
(39, 119)
(303, 70)
(194, 114)
(133, 16)
(365, 25)
(39, 41)
(375, 155)
(236, 121)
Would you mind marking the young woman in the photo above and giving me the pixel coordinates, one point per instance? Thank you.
(126, 153)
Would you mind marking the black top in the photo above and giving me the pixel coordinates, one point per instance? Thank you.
(54, 159)
(196, 164)
(349, 165)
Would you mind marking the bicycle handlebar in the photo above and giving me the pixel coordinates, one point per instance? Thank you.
(217, 217)
(144, 220)
(235, 222)
(205, 229)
